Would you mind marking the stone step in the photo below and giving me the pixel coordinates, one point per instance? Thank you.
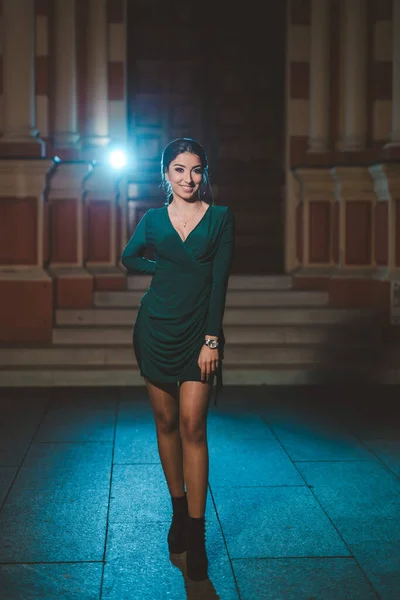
(235, 334)
(250, 375)
(235, 356)
(232, 316)
(236, 282)
(234, 298)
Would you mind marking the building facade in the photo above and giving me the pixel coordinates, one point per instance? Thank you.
(300, 116)
(343, 147)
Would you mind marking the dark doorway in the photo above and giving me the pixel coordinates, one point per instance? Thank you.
(216, 73)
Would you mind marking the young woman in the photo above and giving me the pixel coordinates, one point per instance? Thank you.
(178, 336)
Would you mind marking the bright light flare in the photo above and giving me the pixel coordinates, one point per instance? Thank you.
(117, 159)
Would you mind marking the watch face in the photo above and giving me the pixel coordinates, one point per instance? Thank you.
(213, 344)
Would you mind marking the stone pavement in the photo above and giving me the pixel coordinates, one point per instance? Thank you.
(303, 501)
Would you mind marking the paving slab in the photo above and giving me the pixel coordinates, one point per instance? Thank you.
(387, 451)
(79, 416)
(61, 465)
(262, 522)
(69, 581)
(21, 415)
(138, 565)
(302, 579)
(54, 525)
(7, 475)
(362, 500)
(318, 446)
(234, 425)
(257, 462)
(139, 493)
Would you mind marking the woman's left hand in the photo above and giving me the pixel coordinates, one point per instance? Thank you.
(208, 361)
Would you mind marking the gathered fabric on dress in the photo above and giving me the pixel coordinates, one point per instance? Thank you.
(186, 298)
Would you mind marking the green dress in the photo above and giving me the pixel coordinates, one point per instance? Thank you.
(186, 298)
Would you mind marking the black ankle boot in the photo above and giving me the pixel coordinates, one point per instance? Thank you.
(177, 536)
(196, 556)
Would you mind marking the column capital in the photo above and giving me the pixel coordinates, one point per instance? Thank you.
(317, 184)
(353, 183)
(101, 181)
(21, 177)
(387, 176)
(69, 176)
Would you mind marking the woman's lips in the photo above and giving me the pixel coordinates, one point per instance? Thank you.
(187, 188)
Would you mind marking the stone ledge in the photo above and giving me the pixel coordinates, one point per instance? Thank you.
(23, 274)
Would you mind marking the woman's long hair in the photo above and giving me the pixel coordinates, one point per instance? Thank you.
(169, 154)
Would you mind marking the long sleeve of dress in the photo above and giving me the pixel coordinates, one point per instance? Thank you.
(132, 257)
(220, 275)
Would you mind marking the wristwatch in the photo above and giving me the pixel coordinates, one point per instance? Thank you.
(211, 344)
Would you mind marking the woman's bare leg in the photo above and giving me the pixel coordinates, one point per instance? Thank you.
(165, 404)
(194, 398)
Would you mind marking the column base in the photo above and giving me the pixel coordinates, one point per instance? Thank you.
(392, 145)
(22, 146)
(351, 144)
(66, 140)
(95, 141)
(94, 148)
(318, 145)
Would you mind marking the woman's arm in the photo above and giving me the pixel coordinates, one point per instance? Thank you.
(220, 275)
(132, 257)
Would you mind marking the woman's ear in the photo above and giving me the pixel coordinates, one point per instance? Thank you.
(166, 175)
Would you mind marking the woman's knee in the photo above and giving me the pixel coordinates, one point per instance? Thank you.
(193, 430)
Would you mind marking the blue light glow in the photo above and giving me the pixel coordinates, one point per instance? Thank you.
(117, 159)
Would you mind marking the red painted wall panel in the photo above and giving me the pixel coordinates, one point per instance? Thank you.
(320, 232)
(299, 232)
(18, 231)
(397, 228)
(64, 235)
(336, 232)
(99, 231)
(358, 233)
(381, 233)
(299, 80)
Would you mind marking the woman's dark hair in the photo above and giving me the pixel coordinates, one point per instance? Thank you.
(169, 154)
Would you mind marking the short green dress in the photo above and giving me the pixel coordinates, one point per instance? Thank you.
(186, 298)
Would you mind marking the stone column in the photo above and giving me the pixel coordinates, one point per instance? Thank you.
(66, 134)
(319, 77)
(18, 71)
(97, 85)
(354, 83)
(395, 135)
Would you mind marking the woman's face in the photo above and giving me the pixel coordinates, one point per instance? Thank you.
(185, 174)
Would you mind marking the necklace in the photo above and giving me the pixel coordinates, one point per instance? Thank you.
(183, 221)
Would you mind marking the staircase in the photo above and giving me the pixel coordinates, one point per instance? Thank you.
(274, 335)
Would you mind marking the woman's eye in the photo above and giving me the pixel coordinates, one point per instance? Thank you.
(198, 172)
(179, 169)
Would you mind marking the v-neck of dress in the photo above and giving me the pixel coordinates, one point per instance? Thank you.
(195, 227)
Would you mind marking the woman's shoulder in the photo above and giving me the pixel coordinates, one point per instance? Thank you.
(226, 213)
(220, 209)
(154, 210)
